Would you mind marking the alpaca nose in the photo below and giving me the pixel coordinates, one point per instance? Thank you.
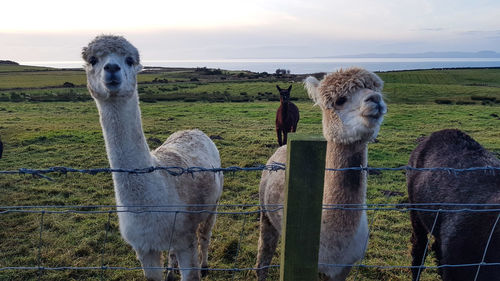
(112, 67)
(373, 98)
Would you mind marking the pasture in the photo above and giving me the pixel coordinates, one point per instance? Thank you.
(58, 133)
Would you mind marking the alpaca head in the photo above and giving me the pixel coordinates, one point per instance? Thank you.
(284, 93)
(111, 64)
(352, 104)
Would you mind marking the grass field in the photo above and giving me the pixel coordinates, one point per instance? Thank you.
(43, 134)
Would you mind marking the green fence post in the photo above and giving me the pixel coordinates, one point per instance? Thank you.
(305, 172)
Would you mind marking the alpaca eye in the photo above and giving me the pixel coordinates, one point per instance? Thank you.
(340, 101)
(93, 60)
(129, 61)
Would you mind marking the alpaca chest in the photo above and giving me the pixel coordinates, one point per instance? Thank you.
(287, 116)
(150, 228)
(338, 247)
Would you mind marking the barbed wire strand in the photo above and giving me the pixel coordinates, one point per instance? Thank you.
(178, 171)
(482, 208)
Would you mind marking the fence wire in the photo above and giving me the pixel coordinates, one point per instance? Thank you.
(178, 171)
(437, 208)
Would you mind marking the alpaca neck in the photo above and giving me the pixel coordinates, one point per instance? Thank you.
(126, 144)
(284, 109)
(345, 187)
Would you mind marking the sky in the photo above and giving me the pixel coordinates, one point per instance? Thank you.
(56, 30)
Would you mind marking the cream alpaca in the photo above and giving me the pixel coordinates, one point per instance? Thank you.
(112, 64)
(353, 110)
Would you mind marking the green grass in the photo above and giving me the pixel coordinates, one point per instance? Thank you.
(40, 135)
(458, 86)
(54, 78)
(444, 77)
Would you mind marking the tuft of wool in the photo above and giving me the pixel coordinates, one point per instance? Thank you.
(345, 82)
(106, 44)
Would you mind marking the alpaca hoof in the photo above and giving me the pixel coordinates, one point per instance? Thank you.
(204, 271)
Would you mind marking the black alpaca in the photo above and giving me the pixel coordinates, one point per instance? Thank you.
(460, 237)
(287, 116)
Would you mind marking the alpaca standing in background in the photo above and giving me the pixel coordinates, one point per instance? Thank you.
(353, 109)
(287, 116)
(460, 238)
(112, 64)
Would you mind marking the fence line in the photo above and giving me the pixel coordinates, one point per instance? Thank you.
(404, 207)
(246, 268)
(178, 171)
(134, 268)
(264, 208)
(437, 208)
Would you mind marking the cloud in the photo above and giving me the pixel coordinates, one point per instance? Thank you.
(433, 29)
(194, 29)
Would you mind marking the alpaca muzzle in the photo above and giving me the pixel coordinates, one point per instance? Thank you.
(112, 82)
(112, 77)
(375, 107)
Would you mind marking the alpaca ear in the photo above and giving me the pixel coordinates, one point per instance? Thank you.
(311, 84)
(289, 88)
(278, 87)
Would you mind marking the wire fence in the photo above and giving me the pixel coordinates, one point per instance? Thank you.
(245, 210)
(177, 171)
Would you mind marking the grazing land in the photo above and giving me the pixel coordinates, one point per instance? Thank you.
(45, 122)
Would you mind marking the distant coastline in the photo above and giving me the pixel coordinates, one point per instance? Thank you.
(427, 55)
(304, 66)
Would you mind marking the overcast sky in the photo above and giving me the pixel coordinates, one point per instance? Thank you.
(56, 30)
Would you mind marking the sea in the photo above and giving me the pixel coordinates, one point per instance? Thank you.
(307, 65)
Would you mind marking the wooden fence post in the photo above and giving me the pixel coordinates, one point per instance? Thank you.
(305, 172)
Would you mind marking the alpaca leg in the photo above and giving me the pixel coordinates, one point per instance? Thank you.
(278, 132)
(151, 258)
(436, 247)
(172, 263)
(188, 260)
(419, 241)
(285, 133)
(268, 240)
(204, 234)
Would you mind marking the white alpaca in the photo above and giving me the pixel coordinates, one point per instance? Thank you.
(353, 110)
(112, 64)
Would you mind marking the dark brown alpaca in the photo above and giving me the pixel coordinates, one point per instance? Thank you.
(460, 237)
(287, 115)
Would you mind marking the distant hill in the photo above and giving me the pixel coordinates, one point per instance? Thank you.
(8, 62)
(480, 54)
